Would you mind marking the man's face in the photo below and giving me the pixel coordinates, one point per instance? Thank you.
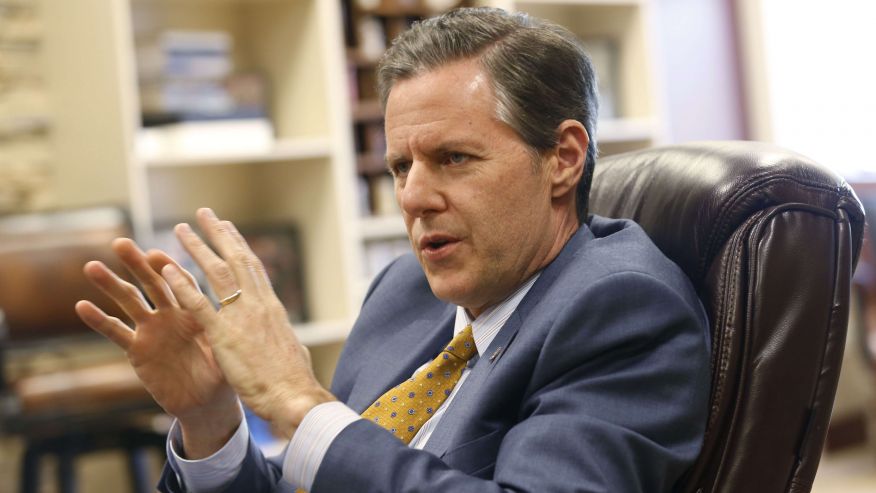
(477, 209)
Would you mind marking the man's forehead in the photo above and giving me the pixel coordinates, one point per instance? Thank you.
(454, 82)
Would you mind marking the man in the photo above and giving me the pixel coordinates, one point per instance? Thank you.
(579, 353)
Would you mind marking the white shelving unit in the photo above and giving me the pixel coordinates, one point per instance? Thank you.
(303, 178)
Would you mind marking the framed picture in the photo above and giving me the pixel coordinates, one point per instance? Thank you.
(278, 248)
(164, 239)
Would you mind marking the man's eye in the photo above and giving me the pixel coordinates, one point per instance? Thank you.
(457, 158)
(400, 168)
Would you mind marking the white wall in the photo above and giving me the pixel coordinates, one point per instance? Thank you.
(817, 79)
(697, 59)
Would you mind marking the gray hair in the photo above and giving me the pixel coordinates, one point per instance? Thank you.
(539, 71)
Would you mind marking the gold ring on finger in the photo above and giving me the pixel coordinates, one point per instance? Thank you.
(230, 299)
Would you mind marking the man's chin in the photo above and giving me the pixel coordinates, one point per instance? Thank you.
(449, 290)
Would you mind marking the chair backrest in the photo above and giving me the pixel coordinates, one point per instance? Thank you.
(770, 240)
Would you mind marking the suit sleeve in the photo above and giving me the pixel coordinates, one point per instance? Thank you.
(616, 401)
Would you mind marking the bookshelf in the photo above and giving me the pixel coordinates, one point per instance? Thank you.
(325, 134)
(369, 28)
(297, 172)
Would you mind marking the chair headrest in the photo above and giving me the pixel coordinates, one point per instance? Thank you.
(690, 198)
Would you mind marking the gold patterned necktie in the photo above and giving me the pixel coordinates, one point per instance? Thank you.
(404, 408)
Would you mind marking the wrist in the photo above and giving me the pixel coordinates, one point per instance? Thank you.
(289, 418)
(205, 433)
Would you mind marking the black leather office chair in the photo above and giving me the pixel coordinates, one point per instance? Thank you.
(770, 240)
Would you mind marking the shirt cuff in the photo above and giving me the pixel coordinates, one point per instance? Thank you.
(312, 439)
(211, 473)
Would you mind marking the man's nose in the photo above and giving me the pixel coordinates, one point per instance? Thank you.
(420, 193)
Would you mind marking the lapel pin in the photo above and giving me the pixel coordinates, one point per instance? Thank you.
(496, 354)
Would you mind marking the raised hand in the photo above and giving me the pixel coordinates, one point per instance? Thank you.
(168, 347)
(251, 337)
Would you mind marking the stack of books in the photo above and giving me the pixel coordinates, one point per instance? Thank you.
(194, 102)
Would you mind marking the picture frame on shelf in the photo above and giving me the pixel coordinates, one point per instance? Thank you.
(279, 249)
(164, 239)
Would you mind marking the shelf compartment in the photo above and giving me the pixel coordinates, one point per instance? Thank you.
(294, 149)
(380, 227)
(281, 40)
(322, 332)
(621, 23)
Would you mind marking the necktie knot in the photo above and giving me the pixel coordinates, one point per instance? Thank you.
(463, 345)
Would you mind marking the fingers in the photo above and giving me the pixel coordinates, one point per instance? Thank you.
(135, 261)
(219, 274)
(123, 293)
(158, 259)
(110, 327)
(233, 247)
(190, 297)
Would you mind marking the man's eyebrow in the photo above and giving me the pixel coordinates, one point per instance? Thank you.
(456, 145)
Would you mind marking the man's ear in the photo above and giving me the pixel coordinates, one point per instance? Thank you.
(570, 153)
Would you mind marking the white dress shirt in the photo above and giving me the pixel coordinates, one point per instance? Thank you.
(304, 453)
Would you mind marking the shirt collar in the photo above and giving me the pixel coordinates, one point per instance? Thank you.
(487, 325)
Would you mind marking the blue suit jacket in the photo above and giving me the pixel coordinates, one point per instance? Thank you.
(597, 383)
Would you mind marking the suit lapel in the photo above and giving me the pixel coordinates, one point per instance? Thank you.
(465, 401)
(402, 351)
(464, 406)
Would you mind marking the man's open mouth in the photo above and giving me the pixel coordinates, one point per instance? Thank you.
(435, 243)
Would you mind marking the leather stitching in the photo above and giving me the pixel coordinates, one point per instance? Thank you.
(722, 223)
